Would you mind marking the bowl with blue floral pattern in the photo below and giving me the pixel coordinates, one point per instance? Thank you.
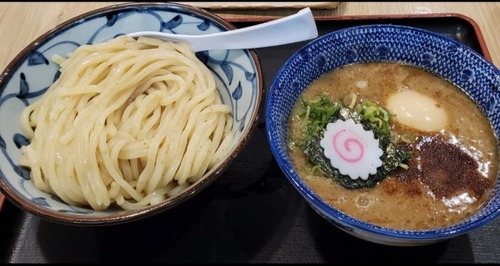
(379, 150)
(237, 75)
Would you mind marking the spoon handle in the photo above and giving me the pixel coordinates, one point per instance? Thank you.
(294, 28)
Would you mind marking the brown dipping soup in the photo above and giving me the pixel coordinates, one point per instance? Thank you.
(452, 171)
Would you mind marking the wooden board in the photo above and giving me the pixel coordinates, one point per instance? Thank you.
(262, 5)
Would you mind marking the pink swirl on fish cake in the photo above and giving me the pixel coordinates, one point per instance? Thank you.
(352, 149)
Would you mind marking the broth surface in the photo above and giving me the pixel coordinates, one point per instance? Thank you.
(452, 171)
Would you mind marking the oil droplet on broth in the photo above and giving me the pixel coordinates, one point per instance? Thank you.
(363, 200)
(342, 199)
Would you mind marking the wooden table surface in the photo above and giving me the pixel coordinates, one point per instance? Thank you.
(21, 23)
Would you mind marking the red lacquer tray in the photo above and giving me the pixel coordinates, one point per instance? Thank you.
(251, 214)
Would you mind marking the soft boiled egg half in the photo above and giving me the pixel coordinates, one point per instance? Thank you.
(416, 110)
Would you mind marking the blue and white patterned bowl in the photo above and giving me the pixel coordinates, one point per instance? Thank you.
(238, 75)
(438, 54)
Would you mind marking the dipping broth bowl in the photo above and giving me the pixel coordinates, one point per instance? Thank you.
(437, 54)
(237, 73)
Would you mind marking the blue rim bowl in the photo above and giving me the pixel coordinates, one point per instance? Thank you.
(444, 57)
(237, 73)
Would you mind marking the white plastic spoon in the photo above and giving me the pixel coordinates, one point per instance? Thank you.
(294, 28)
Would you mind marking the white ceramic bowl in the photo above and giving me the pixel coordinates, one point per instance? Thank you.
(237, 73)
(442, 56)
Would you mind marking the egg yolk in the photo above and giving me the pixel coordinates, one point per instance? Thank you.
(418, 111)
